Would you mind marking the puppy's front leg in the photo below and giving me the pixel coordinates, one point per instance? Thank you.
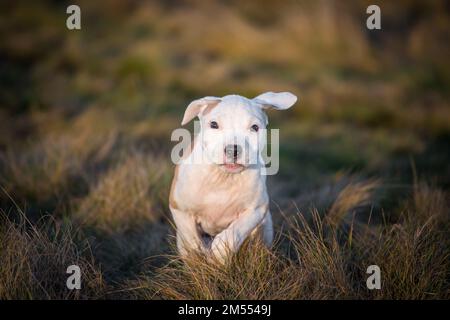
(230, 239)
(187, 236)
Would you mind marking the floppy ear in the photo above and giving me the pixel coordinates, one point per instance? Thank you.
(196, 107)
(276, 100)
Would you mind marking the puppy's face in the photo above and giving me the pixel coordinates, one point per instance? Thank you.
(233, 127)
(232, 133)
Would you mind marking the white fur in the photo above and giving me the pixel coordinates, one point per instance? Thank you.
(207, 196)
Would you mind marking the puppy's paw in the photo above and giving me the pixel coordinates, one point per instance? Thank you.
(221, 250)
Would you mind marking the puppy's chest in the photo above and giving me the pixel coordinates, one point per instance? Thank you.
(217, 211)
(216, 205)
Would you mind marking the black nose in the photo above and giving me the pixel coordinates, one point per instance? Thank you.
(233, 151)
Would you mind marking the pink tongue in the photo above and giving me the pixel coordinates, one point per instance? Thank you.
(232, 165)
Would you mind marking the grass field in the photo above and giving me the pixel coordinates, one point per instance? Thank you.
(85, 169)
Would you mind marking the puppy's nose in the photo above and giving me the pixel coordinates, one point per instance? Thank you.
(233, 151)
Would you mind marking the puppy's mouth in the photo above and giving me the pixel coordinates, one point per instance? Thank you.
(233, 167)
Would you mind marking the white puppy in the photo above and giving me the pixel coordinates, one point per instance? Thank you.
(218, 196)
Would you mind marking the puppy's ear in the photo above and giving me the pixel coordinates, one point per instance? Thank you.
(196, 108)
(276, 100)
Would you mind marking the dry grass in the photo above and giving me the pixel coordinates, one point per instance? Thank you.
(319, 260)
(413, 251)
(34, 259)
(316, 256)
(56, 164)
(128, 195)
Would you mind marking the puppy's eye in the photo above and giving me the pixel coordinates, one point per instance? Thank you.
(213, 125)
(254, 128)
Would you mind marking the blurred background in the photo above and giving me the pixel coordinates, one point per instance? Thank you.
(86, 115)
